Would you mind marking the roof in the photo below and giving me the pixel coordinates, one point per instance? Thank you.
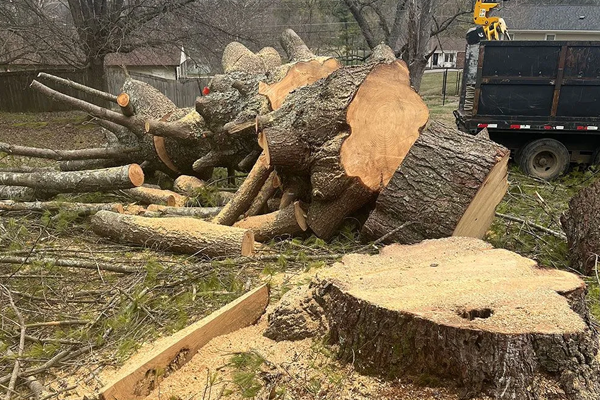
(446, 43)
(550, 18)
(145, 56)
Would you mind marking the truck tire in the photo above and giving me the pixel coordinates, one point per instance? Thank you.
(544, 158)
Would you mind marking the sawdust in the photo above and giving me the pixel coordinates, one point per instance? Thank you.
(304, 369)
(463, 282)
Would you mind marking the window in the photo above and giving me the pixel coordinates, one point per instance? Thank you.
(550, 37)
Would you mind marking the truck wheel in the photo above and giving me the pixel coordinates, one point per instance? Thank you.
(544, 158)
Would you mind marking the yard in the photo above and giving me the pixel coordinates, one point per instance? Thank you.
(82, 323)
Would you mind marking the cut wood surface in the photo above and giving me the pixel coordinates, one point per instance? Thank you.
(149, 195)
(581, 223)
(458, 309)
(385, 118)
(290, 221)
(80, 208)
(126, 107)
(187, 185)
(178, 234)
(136, 381)
(300, 74)
(106, 179)
(449, 184)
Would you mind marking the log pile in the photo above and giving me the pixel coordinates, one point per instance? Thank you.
(321, 141)
(455, 309)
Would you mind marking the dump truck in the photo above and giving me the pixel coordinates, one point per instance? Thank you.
(541, 99)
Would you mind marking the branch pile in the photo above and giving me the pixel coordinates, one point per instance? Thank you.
(321, 141)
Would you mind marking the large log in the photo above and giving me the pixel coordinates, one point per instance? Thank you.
(79, 208)
(149, 195)
(183, 235)
(457, 309)
(107, 179)
(581, 223)
(449, 184)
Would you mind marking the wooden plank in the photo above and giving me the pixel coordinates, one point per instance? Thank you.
(139, 379)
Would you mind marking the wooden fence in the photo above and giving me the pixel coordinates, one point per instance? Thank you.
(16, 96)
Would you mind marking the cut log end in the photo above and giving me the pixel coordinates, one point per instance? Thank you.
(136, 175)
(123, 100)
(386, 117)
(481, 212)
(248, 244)
(300, 215)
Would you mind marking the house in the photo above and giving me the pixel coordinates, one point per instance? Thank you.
(449, 52)
(167, 63)
(558, 22)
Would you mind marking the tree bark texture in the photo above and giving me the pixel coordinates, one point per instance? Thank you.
(125, 177)
(178, 234)
(79, 208)
(148, 195)
(22, 193)
(581, 223)
(444, 187)
(197, 212)
(456, 309)
(287, 222)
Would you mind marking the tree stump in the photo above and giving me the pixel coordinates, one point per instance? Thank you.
(458, 309)
(581, 223)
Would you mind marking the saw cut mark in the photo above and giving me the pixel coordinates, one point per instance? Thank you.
(481, 212)
(300, 74)
(386, 117)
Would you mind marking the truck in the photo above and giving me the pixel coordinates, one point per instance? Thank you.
(541, 99)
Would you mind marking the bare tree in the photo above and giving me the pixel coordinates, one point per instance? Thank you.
(412, 25)
(82, 32)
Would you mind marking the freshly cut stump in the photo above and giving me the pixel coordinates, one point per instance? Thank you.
(458, 309)
(581, 224)
(449, 184)
(183, 235)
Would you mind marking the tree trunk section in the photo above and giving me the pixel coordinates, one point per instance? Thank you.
(22, 193)
(148, 195)
(243, 198)
(196, 212)
(125, 177)
(456, 309)
(449, 184)
(581, 223)
(187, 185)
(182, 235)
(266, 192)
(79, 208)
(290, 221)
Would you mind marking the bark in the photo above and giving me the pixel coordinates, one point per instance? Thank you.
(449, 184)
(22, 193)
(62, 155)
(243, 198)
(236, 57)
(183, 235)
(325, 217)
(197, 212)
(77, 86)
(187, 185)
(266, 192)
(107, 179)
(79, 208)
(295, 47)
(79, 165)
(287, 222)
(148, 195)
(581, 223)
(456, 309)
(94, 265)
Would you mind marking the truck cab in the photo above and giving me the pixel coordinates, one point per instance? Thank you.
(541, 99)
